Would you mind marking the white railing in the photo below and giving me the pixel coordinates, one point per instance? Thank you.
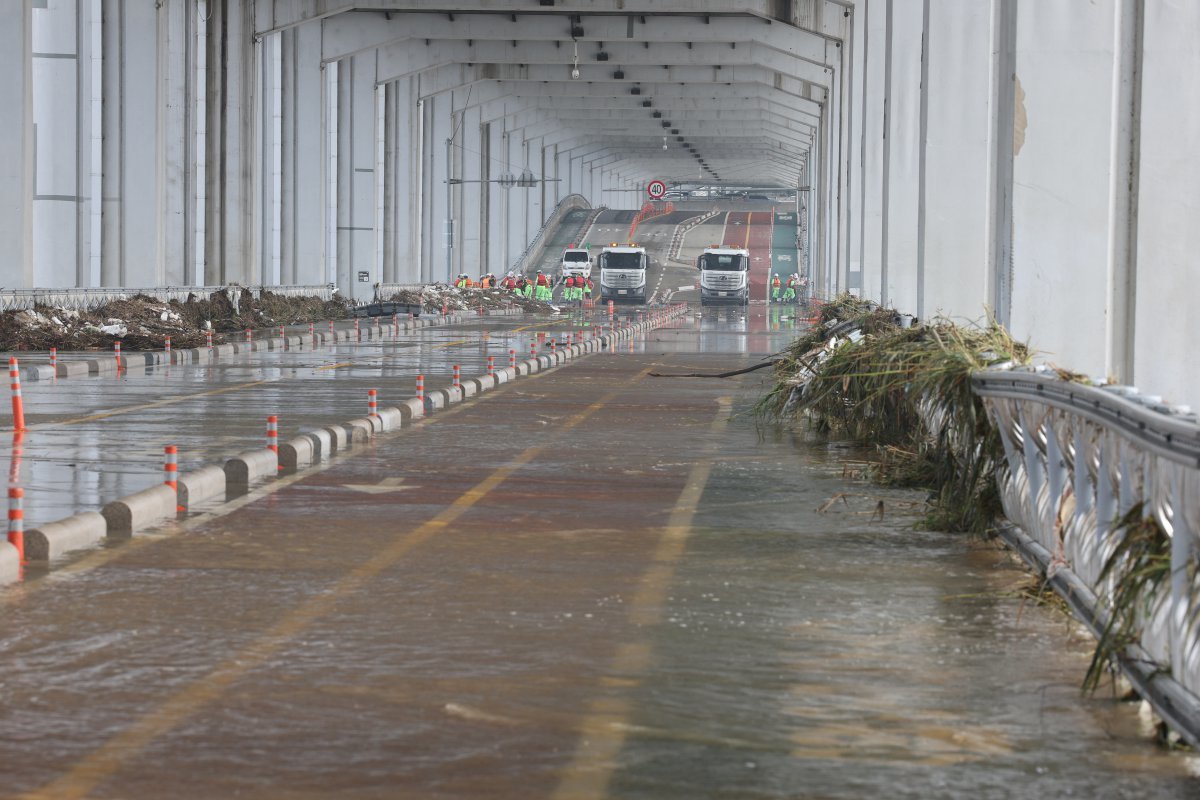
(1079, 457)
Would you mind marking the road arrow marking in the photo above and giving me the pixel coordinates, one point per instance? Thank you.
(384, 486)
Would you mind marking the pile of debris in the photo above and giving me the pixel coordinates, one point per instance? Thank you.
(143, 323)
(435, 297)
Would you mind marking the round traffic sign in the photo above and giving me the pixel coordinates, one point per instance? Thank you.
(656, 189)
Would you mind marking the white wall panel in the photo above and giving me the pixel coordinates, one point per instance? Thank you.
(1060, 175)
(956, 159)
(1168, 260)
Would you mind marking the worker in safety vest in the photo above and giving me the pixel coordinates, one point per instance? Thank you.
(569, 289)
(789, 293)
(460, 282)
(587, 289)
(527, 290)
(509, 283)
(775, 286)
(543, 287)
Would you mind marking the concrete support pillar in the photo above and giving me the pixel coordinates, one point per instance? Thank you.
(438, 125)
(486, 199)
(302, 239)
(231, 230)
(269, 163)
(470, 194)
(402, 211)
(16, 139)
(356, 190)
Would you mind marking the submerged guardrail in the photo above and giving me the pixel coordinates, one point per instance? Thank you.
(1079, 457)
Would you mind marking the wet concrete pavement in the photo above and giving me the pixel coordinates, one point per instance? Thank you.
(589, 583)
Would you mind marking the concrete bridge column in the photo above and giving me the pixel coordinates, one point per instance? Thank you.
(16, 140)
(302, 238)
(402, 206)
(470, 194)
(438, 125)
(356, 191)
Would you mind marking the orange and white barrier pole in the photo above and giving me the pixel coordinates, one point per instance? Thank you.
(54, 358)
(491, 365)
(273, 434)
(171, 466)
(16, 520)
(249, 336)
(331, 327)
(372, 403)
(117, 352)
(208, 339)
(533, 349)
(421, 389)
(357, 329)
(18, 405)
(457, 377)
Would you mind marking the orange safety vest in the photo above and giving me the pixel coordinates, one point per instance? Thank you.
(775, 282)
(541, 280)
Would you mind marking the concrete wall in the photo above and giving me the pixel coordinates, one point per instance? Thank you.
(933, 140)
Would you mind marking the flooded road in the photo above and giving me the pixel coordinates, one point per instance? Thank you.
(588, 583)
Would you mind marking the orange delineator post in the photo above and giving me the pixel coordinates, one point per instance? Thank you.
(457, 377)
(167, 349)
(54, 358)
(171, 466)
(372, 403)
(273, 434)
(208, 339)
(421, 389)
(512, 358)
(491, 365)
(117, 352)
(18, 405)
(16, 520)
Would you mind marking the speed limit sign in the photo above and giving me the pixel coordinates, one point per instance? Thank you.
(656, 189)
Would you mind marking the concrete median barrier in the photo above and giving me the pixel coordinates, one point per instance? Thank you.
(470, 387)
(296, 453)
(410, 409)
(203, 484)
(244, 469)
(10, 565)
(49, 541)
(140, 510)
(37, 372)
(436, 399)
(223, 350)
(392, 418)
(339, 439)
(73, 369)
(359, 431)
(321, 442)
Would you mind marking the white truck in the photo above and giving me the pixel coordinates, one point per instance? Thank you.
(623, 273)
(724, 275)
(576, 262)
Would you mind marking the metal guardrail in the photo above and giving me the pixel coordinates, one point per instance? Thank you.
(1079, 457)
(87, 299)
(537, 245)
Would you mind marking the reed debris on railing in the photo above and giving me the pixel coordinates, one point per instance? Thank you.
(907, 390)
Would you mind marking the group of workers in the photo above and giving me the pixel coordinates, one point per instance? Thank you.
(787, 293)
(541, 287)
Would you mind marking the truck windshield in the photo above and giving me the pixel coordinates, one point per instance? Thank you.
(575, 256)
(723, 262)
(621, 261)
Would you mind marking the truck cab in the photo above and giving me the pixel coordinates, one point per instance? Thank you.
(576, 262)
(623, 273)
(724, 275)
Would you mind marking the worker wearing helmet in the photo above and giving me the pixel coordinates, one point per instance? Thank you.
(569, 289)
(543, 287)
(775, 285)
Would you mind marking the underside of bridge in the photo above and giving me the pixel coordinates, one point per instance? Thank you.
(1031, 160)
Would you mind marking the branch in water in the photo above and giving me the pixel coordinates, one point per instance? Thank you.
(714, 374)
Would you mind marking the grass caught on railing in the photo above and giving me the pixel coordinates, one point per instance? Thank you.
(1140, 565)
(908, 391)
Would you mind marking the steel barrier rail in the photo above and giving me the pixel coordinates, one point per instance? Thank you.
(90, 298)
(537, 245)
(1079, 456)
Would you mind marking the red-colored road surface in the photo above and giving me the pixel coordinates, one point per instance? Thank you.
(752, 230)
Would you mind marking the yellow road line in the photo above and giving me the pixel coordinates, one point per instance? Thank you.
(602, 732)
(112, 755)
